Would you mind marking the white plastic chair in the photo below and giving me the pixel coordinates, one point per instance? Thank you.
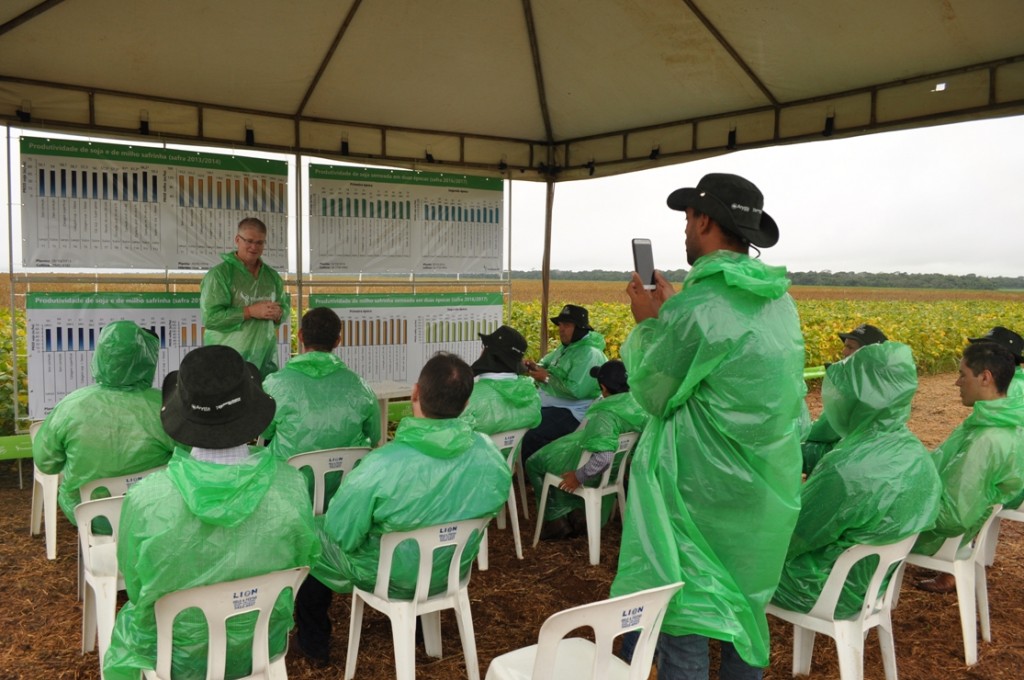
(117, 485)
(592, 496)
(1014, 514)
(99, 577)
(44, 501)
(403, 613)
(849, 634)
(323, 461)
(220, 602)
(510, 442)
(555, 656)
(967, 565)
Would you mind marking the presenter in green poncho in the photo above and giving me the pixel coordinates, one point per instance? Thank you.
(715, 480)
(243, 300)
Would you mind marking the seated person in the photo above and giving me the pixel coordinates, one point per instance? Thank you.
(877, 486)
(1014, 344)
(502, 399)
(436, 469)
(321, 404)
(566, 387)
(222, 513)
(111, 428)
(822, 436)
(614, 414)
(982, 462)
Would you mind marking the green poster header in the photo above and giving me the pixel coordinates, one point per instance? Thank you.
(122, 153)
(430, 179)
(342, 301)
(112, 300)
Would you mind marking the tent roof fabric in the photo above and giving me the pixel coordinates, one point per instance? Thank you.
(559, 89)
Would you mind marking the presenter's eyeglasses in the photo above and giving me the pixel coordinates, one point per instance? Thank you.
(251, 242)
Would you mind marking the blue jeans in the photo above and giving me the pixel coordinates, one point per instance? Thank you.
(686, 658)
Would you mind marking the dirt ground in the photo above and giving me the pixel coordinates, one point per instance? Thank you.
(40, 619)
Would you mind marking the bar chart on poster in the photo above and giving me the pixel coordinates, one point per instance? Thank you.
(368, 220)
(89, 204)
(64, 328)
(388, 338)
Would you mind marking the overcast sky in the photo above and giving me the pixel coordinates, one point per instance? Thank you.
(946, 199)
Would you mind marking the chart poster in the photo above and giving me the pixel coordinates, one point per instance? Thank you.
(63, 329)
(388, 338)
(371, 220)
(89, 204)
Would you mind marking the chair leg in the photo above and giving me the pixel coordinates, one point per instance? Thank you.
(500, 520)
(513, 513)
(403, 634)
(803, 648)
(540, 514)
(89, 607)
(355, 627)
(35, 522)
(106, 611)
(432, 633)
(50, 519)
(888, 645)
(464, 618)
(483, 554)
(963, 572)
(850, 650)
(522, 485)
(990, 542)
(592, 505)
(981, 594)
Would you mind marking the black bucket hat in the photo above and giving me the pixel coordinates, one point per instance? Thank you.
(574, 314)
(215, 400)
(611, 374)
(734, 203)
(507, 345)
(1001, 335)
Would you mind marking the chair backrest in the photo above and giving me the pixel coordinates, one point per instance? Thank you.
(627, 441)
(220, 602)
(509, 442)
(951, 548)
(324, 461)
(608, 619)
(430, 539)
(117, 485)
(85, 513)
(889, 558)
(34, 428)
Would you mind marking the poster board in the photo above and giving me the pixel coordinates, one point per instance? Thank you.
(90, 204)
(63, 329)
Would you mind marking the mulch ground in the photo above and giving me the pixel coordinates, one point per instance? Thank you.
(40, 618)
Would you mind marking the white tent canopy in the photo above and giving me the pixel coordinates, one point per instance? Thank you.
(537, 90)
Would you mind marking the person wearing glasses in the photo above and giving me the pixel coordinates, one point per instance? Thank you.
(243, 300)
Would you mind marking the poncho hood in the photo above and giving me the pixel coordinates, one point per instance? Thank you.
(125, 356)
(436, 437)
(315, 364)
(741, 271)
(1007, 412)
(512, 393)
(871, 388)
(223, 495)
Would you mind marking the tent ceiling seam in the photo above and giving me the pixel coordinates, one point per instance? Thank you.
(28, 15)
(327, 58)
(538, 73)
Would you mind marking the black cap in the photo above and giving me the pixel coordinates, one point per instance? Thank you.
(507, 346)
(611, 374)
(574, 314)
(865, 334)
(734, 203)
(1000, 335)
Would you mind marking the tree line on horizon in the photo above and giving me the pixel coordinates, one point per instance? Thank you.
(822, 278)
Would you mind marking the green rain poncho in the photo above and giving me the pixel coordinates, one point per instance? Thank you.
(715, 481)
(569, 367)
(433, 471)
(110, 428)
(200, 523)
(225, 292)
(321, 404)
(499, 405)
(821, 437)
(980, 464)
(877, 486)
(606, 419)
